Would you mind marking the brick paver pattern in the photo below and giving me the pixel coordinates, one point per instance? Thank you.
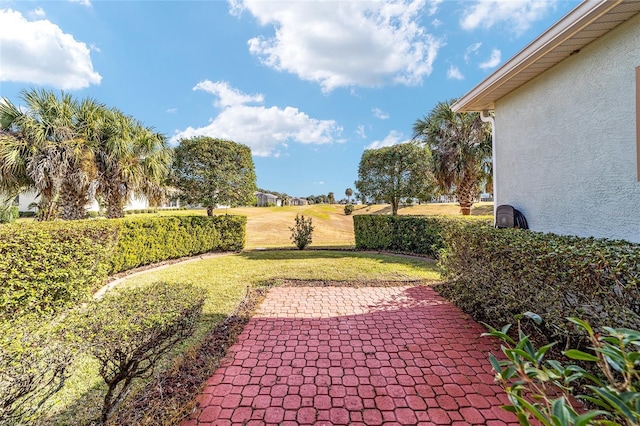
(357, 356)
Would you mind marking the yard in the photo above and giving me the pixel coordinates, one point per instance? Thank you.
(225, 279)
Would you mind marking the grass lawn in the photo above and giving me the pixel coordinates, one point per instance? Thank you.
(224, 281)
(269, 226)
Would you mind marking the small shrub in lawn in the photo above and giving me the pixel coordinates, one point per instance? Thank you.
(543, 391)
(302, 231)
(129, 331)
(348, 209)
(33, 366)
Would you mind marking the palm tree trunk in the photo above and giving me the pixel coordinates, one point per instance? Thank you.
(465, 193)
(115, 205)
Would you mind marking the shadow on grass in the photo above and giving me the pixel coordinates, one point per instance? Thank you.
(84, 408)
(287, 254)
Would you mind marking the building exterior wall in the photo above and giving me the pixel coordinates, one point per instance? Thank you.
(566, 142)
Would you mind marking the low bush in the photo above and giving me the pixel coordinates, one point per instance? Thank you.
(496, 274)
(34, 363)
(45, 267)
(9, 214)
(140, 211)
(302, 232)
(544, 390)
(348, 209)
(27, 214)
(406, 234)
(127, 332)
(148, 240)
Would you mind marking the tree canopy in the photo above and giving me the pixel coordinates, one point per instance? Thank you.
(460, 144)
(392, 173)
(213, 172)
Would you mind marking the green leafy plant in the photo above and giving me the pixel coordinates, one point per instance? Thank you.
(348, 209)
(407, 234)
(495, 274)
(542, 389)
(302, 232)
(129, 331)
(34, 364)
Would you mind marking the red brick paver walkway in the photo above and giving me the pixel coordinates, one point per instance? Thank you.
(341, 355)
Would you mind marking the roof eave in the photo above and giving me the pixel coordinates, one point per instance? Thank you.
(578, 18)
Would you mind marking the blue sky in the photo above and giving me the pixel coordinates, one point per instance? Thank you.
(308, 85)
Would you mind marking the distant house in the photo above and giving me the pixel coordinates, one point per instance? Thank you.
(295, 201)
(265, 199)
(27, 202)
(566, 124)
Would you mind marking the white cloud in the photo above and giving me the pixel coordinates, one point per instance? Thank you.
(380, 114)
(471, 50)
(263, 129)
(172, 110)
(393, 138)
(320, 182)
(227, 96)
(517, 15)
(39, 52)
(493, 61)
(433, 6)
(344, 44)
(37, 13)
(86, 3)
(454, 73)
(361, 132)
(436, 23)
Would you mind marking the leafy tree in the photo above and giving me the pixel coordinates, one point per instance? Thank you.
(214, 171)
(460, 144)
(392, 173)
(348, 192)
(331, 198)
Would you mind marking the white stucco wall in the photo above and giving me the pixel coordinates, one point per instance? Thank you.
(566, 142)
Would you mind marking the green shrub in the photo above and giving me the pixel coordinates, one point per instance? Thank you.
(127, 332)
(27, 214)
(495, 274)
(9, 214)
(33, 366)
(348, 209)
(45, 267)
(407, 234)
(302, 232)
(542, 389)
(143, 241)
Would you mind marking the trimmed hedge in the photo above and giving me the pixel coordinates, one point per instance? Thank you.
(405, 234)
(47, 266)
(142, 241)
(496, 274)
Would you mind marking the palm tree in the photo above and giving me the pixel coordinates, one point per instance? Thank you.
(131, 160)
(461, 150)
(348, 192)
(43, 146)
